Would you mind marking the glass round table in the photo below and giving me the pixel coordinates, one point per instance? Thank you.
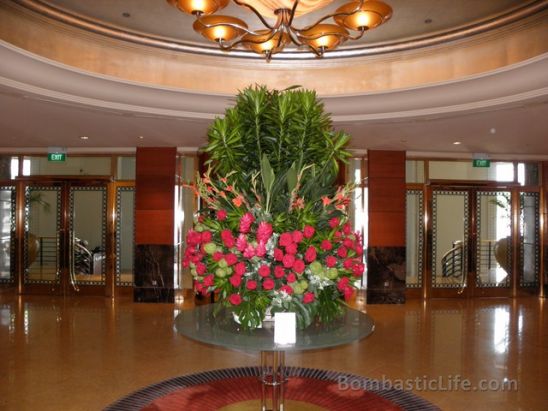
(211, 325)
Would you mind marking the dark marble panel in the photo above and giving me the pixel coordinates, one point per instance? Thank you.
(546, 270)
(154, 273)
(386, 275)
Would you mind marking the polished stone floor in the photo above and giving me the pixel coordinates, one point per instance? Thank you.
(83, 353)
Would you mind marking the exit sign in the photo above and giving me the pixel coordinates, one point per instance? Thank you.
(481, 163)
(57, 157)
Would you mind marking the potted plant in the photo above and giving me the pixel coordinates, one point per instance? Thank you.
(272, 233)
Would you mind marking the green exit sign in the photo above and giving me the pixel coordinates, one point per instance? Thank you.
(57, 157)
(481, 163)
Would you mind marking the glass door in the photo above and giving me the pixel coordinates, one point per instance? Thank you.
(64, 237)
(470, 241)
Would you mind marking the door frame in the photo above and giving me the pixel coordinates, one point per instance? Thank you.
(471, 290)
(63, 287)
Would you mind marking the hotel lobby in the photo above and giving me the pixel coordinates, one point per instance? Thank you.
(436, 115)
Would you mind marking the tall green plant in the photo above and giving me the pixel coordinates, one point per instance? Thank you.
(286, 137)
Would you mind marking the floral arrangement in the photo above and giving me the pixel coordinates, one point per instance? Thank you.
(276, 237)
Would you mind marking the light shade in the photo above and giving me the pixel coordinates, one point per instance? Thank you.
(220, 28)
(324, 36)
(204, 7)
(267, 7)
(370, 15)
(264, 42)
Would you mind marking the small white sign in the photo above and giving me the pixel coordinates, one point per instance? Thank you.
(285, 328)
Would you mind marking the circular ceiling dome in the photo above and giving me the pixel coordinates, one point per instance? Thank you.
(414, 24)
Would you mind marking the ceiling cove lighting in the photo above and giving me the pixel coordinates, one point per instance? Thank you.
(348, 22)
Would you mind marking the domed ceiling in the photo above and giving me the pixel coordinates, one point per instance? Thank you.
(128, 73)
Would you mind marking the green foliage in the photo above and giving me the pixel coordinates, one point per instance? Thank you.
(283, 135)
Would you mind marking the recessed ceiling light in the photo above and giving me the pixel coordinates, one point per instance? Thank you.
(456, 143)
(493, 130)
(141, 137)
(84, 137)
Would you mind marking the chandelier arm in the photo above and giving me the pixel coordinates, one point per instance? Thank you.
(250, 7)
(233, 25)
(332, 15)
(292, 14)
(358, 36)
(225, 46)
(294, 38)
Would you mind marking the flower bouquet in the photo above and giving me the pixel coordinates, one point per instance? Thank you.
(272, 233)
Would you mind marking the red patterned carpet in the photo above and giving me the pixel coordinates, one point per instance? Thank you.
(213, 390)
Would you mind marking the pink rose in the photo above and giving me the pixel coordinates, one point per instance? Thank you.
(235, 280)
(342, 252)
(288, 260)
(231, 259)
(297, 236)
(251, 285)
(240, 268)
(235, 299)
(298, 266)
(200, 268)
(342, 284)
(193, 237)
(287, 289)
(264, 270)
(198, 287)
(221, 215)
(245, 222)
(291, 248)
(228, 238)
(264, 231)
(330, 261)
(348, 263)
(358, 269)
(334, 222)
(278, 254)
(206, 236)
(268, 284)
(308, 231)
(217, 256)
(208, 280)
(285, 239)
(308, 297)
(348, 292)
(348, 243)
(310, 254)
(279, 272)
(326, 245)
(291, 278)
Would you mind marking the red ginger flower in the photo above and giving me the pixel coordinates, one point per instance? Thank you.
(308, 297)
(308, 231)
(245, 222)
(310, 254)
(264, 231)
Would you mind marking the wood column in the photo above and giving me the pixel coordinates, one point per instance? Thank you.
(544, 231)
(154, 224)
(386, 245)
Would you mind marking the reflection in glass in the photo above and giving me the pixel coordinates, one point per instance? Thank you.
(84, 166)
(42, 229)
(87, 233)
(449, 238)
(501, 330)
(357, 211)
(494, 242)
(529, 238)
(7, 232)
(125, 204)
(414, 238)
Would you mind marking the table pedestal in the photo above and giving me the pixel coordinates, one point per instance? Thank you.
(273, 379)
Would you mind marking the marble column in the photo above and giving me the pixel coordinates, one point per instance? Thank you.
(386, 245)
(154, 224)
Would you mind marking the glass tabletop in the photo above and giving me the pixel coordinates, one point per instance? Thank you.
(200, 324)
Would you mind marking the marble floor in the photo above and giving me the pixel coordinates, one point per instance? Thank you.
(83, 353)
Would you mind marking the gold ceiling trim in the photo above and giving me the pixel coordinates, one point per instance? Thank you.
(145, 39)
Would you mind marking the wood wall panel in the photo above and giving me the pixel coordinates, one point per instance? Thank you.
(386, 188)
(154, 195)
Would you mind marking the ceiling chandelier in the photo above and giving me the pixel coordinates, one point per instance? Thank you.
(228, 32)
